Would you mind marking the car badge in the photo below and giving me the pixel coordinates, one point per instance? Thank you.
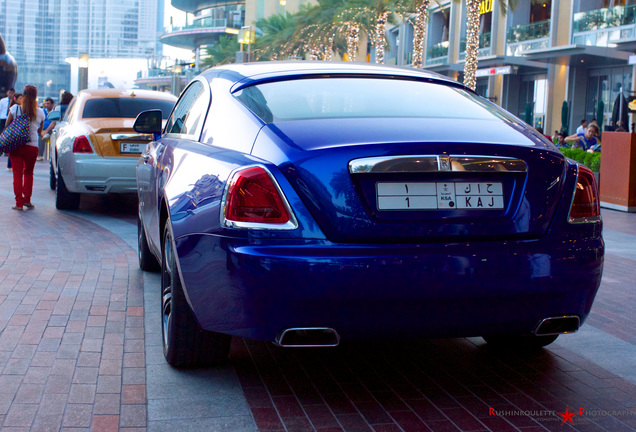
(444, 163)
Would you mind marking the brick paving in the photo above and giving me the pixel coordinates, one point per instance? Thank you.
(458, 384)
(71, 322)
(80, 350)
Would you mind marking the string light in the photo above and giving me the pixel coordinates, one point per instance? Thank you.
(419, 33)
(472, 43)
(352, 41)
(380, 37)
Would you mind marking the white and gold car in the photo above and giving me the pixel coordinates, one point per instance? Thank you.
(94, 148)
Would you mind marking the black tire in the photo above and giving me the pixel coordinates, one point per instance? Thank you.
(519, 342)
(147, 261)
(185, 344)
(65, 200)
(52, 179)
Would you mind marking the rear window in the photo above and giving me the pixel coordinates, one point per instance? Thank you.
(355, 97)
(124, 107)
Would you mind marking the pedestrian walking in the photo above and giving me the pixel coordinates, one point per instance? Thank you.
(65, 100)
(16, 100)
(5, 103)
(23, 158)
(47, 107)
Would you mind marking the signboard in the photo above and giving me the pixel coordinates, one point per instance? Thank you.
(500, 70)
(485, 6)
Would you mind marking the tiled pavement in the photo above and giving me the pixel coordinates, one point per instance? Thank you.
(80, 350)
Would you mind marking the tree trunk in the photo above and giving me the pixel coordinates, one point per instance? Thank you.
(352, 41)
(419, 33)
(380, 37)
(472, 43)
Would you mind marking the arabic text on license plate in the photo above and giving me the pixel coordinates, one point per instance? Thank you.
(440, 196)
(133, 147)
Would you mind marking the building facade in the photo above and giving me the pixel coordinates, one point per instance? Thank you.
(551, 63)
(208, 20)
(41, 34)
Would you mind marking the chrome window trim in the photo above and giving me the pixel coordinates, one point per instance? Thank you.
(292, 224)
(436, 163)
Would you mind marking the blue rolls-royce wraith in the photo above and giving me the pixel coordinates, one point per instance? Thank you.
(309, 203)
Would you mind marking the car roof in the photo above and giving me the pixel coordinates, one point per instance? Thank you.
(251, 73)
(125, 93)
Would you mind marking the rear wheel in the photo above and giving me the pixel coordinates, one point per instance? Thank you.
(519, 342)
(147, 261)
(185, 343)
(65, 200)
(52, 179)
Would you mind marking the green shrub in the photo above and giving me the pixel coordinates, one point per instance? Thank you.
(590, 160)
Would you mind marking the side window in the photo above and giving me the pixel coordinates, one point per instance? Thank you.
(71, 106)
(189, 114)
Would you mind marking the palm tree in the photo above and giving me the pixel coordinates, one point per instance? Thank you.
(222, 52)
(472, 36)
(351, 21)
(278, 37)
(318, 30)
(420, 22)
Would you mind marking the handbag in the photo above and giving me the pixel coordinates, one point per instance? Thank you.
(16, 134)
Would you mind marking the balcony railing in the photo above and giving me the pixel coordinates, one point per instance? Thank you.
(200, 24)
(484, 42)
(599, 19)
(522, 33)
(438, 50)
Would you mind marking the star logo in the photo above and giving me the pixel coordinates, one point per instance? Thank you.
(567, 416)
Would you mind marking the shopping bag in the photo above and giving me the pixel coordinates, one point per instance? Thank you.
(16, 134)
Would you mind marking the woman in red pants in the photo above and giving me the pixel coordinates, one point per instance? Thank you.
(23, 158)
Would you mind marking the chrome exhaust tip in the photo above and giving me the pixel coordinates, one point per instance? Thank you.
(558, 325)
(307, 337)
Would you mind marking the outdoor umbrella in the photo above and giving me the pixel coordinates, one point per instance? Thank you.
(565, 121)
(619, 113)
(600, 111)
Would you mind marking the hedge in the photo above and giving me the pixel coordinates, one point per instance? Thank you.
(590, 160)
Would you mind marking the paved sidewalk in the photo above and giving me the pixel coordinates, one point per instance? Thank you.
(80, 350)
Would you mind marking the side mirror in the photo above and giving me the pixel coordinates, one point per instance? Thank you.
(54, 116)
(148, 122)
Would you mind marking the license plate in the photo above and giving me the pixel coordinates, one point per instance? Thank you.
(440, 196)
(132, 147)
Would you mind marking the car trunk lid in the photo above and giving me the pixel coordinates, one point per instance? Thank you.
(369, 181)
(116, 137)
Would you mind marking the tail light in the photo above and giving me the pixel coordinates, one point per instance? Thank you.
(585, 204)
(81, 145)
(254, 200)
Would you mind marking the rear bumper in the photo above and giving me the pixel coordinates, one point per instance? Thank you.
(439, 290)
(94, 174)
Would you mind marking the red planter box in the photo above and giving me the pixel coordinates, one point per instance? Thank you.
(618, 171)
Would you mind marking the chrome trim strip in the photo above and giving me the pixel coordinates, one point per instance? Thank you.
(291, 224)
(423, 163)
(436, 163)
(131, 136)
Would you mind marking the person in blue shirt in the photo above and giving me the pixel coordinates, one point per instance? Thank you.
(47, 106)
(584, 140)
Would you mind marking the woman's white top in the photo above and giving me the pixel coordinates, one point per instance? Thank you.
(33, 125)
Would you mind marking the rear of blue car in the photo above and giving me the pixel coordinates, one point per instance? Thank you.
(371, 207)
